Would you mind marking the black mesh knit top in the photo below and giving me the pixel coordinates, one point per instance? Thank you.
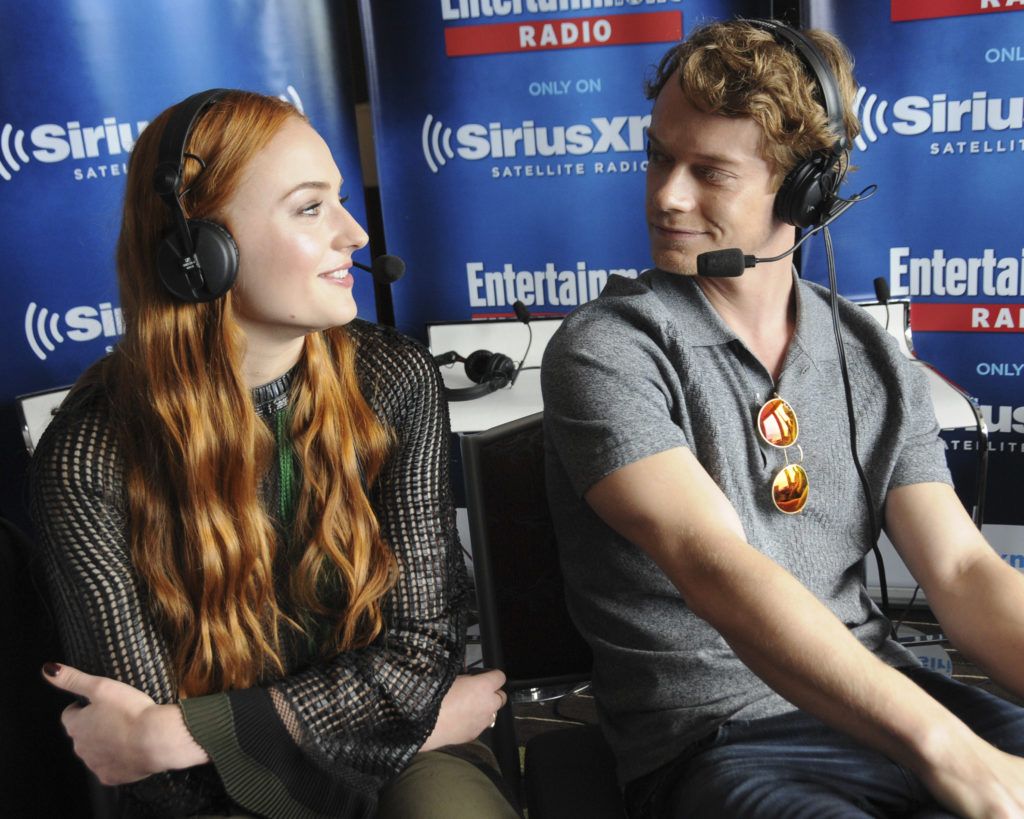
(323, 739)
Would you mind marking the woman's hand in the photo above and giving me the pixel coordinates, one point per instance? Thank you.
(470, 706)
(119, 732)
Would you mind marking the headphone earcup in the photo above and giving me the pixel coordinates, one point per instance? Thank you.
(476, 365)
(500, 370)
(807, 192)
(485, 367)
(218, 262)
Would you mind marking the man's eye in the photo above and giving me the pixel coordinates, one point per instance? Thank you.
(654, 155)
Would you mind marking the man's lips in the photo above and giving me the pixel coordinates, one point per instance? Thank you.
(674, 232)
(678, 230)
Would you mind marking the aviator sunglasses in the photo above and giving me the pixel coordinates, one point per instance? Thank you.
(778, 427)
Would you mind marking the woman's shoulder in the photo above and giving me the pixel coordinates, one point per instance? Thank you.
(81, 433)
(386, 351)
(393, 368)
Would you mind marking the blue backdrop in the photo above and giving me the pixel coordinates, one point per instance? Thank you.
(79, 82)
(942, 112)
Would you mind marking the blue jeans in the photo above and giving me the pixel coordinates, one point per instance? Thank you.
(794, 766)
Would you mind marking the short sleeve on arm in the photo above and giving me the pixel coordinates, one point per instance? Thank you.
(922, 457)
(610, 394)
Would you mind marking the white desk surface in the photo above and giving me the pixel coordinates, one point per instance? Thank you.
(499, 407)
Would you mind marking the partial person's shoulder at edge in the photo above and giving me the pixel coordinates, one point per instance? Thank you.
(70, 442)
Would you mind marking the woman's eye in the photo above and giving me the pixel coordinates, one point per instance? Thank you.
(312, 209)
(343, 200)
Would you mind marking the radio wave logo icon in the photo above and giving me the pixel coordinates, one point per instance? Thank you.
(42, 329)
(871, 113)
(6, 143)
(292, 97)
(437, 143)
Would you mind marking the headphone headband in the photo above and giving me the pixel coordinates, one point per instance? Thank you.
(819, 69)
(809, 191)
(169, 167)
(198, 260)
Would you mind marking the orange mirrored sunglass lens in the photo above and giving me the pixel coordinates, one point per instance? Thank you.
(790, 488)
(777, 423)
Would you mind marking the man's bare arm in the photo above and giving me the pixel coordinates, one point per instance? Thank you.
(668, 506)
(978, 599)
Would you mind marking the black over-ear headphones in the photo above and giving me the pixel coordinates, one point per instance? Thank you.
(198, 260)
(489, 372)
(809, 190)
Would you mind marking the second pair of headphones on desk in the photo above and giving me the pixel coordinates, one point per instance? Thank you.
(489, 371)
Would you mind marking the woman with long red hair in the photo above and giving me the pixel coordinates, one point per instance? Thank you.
(244, 510)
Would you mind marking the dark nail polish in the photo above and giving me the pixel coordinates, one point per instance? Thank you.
(51, 669)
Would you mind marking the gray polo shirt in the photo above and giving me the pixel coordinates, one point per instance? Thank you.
(649, 366)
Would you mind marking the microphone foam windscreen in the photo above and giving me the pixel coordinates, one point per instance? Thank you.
(388, 269)
(522, 311)
(721, 263)
(881, 290)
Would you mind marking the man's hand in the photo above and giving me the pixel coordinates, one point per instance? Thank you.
(976, 779)
(470, 706)
(118, 731)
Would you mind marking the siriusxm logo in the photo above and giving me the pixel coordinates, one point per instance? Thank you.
(474, 141)
(913, 115)
(1003, 418)
(45, 329)
(55, 142)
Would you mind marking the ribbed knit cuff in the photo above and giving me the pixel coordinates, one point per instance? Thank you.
(247, 782)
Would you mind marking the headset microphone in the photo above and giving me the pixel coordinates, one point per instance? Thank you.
(731, 262)
(881, 290)
(523, 314)
(724, 264)
(386, 269)
(809, 195)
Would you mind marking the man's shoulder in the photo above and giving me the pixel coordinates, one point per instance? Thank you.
(626, 308)
(859, 326)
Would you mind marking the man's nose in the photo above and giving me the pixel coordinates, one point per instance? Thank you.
(673, 190)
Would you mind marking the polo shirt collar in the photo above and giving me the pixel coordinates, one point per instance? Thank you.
(814, 335)
(690, 309)
(704, 327)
